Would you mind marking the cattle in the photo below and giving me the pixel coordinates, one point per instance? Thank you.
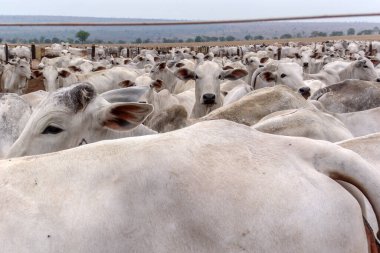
(15, 76)
(21, 52)
(258, 104)
(162, 99)
(349, 96)
(14, 114)
(171, 82)
(74, 116)
(304, 122)
(257, 198)
(207, 77)
(34, 98)
(103, 80)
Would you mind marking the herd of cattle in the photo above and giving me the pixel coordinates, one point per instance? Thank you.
(260, 148)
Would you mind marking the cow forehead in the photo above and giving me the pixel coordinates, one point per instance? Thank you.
(289, 67)
(208, 68)
(63, 99)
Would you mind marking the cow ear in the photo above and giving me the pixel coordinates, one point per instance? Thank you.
(227, 67)
(156, 84)
(375, 62)
(264, 59)
(37, 73)
(75, 68)
(297, 55)
(234, 74)
(124, 116)
(162, 65)
(179, 65)
(99, 68)
(130, 94)
(156, 59)
(126, 83)
(64, 73)
(185, 74)
(268, 76)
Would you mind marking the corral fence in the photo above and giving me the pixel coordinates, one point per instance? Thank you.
(38, 51)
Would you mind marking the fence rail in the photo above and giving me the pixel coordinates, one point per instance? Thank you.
(201, 22)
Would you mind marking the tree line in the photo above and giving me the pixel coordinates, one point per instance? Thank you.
(83, 36)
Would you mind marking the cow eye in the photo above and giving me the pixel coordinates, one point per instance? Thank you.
(52, 130)
(283, 75)
(196, 77)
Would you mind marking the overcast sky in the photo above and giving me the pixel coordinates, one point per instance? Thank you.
(184, 9)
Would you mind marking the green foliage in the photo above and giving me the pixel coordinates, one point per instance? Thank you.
(230, 38)
(351, 31)
(258, 37)
(248, 37)
(286, 36)
(337, 33)
(82, 35)
(318, 34)
(365, 32)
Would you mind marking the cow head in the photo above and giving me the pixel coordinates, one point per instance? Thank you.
(208, 77)
(72, 116)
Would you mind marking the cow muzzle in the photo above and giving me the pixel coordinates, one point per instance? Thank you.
(305, 92)
(209, 99)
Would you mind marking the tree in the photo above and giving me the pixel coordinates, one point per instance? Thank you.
(230, 38)
(248, 37)
(365, 32)
(146, 41)
(336, 33)
(351, 31)
(55, 40)
(258, 37)
(82, 35)
(318, 34)
(138, 41)
(286, 36)
(47, 41)
(1, 40)
(198, 39)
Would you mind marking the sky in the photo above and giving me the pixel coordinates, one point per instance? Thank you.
(189, 10)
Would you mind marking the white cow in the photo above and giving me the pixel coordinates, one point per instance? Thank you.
(304, 122)
(14, 114)
(208, 77)
(74, 116)
(134, 195)
(15, 76)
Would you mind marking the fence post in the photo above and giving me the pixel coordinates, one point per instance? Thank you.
(33, 49)
(370, 48)
(279, 53)
(6, 54)
(93, 52)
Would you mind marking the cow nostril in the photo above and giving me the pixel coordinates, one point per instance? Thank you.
(209, 98)
(304, 90)
(306, 64)
(378, 80)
